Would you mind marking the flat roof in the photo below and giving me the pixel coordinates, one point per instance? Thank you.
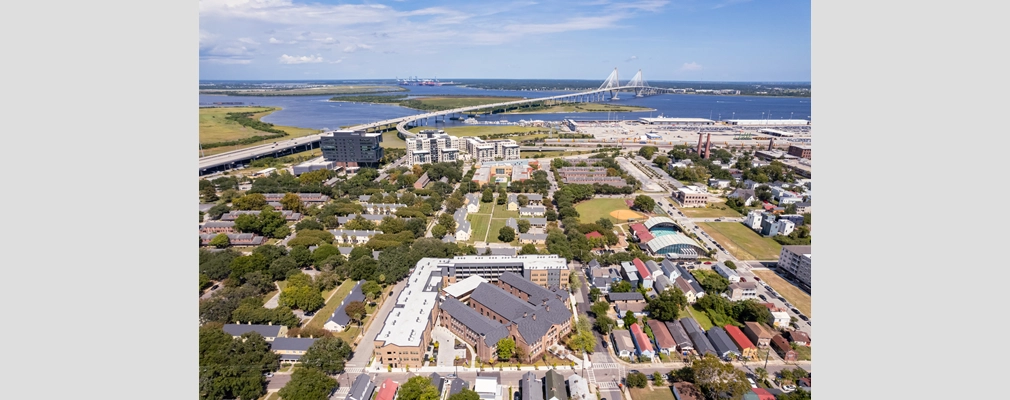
(650, 120)
(464, 286)
(407, 321)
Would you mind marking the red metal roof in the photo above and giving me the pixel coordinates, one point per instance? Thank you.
(387, 391)
(738, 337)
(641, 232)
(643, 271)
(593, 234)
(643, 341)
(763, 394)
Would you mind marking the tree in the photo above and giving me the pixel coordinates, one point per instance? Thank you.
(657, 379)
(629, 319)
(620, 287)
(355, 310)
(418, 388)
(528, 248)
(647, 151)
(309, 223)
(604, 324)
(684, 374)
(234, 367)
(302, 297)
(371, 289)
(252, 201)
(667, 305)
(661, 161)
(208, 194)
(761, 374)
(220, 241)
(438, 231)
(600, 308)
(506, 348)
(217, 211)
(328, 355)
(716, 378)
(506, 234)
(465, 394)
(523, 200)
(637, 380)
(594, 293)
(308, 384)
(798, 394)
(523, 225)
(292, 202)
(487, 196)
(645, 203)
(730, 264)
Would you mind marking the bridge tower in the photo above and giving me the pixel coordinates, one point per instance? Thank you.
(638, 83)
(612, 83)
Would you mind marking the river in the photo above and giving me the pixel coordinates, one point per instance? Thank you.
(317, 112)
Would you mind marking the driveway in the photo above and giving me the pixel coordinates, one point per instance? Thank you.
(446, 341)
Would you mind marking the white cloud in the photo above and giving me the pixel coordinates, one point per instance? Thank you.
(227, 60)
(355, 47)
(275, 41)
(729, 3)
(248, 41)
(691, 66)
(647, 5)
(328, 40)
(632, 58)
(337, 62)
(286, 59)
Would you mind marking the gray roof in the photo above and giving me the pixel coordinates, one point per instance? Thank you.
(532, 210)
(265, 330)
(206, 207)
(292, 344)
(448, 238)
(742, 193)
(594, 264)
(463, 227)
(367, 217)
(720, 339)
(361, 389)
(533, 322)
(652, 266)
(219, 224)
(534, 196)
(532, 236)
(513, 198)
(537, 221)
(601, 282)
(345, 250)
(690, 279)
(554, 385)
(365, 198)
(493, 331)
(474, 198)
(536, 294)
(629, 296)
(511, 223)
(622, 339)
(353, 232)
(456, 385)
(679, 335)
(701, 342)
(531, 387)
(339, 316)
(500, 251)
(663, 283)
(669, 269)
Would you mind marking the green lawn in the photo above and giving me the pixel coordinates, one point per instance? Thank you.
(742, 242)
(702, 317)
(213, 127)
(485, 208)
(479, 224)
(324, 314)
(391, 141)
(802, 352)
(502, 212)
(593, 210)
(660, 393)
(496, 225)
(709, 212)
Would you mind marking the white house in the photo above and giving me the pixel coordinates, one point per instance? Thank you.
(463, 231)
(780, 319)
(782, 227)
(747, 195)
(753, 220)
(726, 272)
(473, 203)
(718, 183)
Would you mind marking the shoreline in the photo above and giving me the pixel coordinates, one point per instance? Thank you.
(505, 113)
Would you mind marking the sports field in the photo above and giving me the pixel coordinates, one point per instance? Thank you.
(742, 242)
(795, 295)
(615, 209)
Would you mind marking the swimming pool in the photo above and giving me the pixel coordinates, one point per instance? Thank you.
(663, 231)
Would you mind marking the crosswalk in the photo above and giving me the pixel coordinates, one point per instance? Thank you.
(605, 365)
(607, 385)
(354, 370)
(341, 393)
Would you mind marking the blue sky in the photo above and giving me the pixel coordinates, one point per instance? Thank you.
(719, 40)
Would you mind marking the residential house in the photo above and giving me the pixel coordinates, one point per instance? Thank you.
(350, 236)
(754, 219)
(511, 223)
(747, 349)
(783, 349)
(530, 387)
(780, 319)
(269, 331)
(291, 349)
(488, 388)
(745, 195)
(662, 284)
(699, 292)
(759, 334)
(799, 337)
(473, 202)
(702, 344)
(373, 218)
(758, 394)
(532, 238)
(724, 346)
(537, 222)
(718, 183)
(623, 345)
(554, 386)
(726, 272)
(387, 390)
(361, 389)
(630, 274)
(684, 345)
(688, 290)
(669, 269)
(664, 340)
(382, 208)
(339, 320)
(532, 211)
(218, 227)
(643, 272)
(448, 386)
(630, 301)
(742, 291)
(236, 239)
(803, 208)
(642, 342)
(579, 388)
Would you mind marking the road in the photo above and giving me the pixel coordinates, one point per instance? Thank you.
(363, 353)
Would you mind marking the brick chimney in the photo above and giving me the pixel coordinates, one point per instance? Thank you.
(770, 143)
(548, 308)
(708, 145)
(699, 142)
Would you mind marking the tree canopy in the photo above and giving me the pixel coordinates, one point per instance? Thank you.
(667, 305)
(234, 367)
(418, 388)
(308, 384)
(506, 348)
(327, 354)
(716, 378)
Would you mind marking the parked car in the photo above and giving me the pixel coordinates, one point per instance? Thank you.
(742, 279)
(757, 279)
(804, 317)
(752, 383)
(795, 311)
(763, 297)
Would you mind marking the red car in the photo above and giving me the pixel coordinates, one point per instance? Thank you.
(742, 279)
(708, 263)
(757, 279)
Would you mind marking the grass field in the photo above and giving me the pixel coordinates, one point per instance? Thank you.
(709, 212)
(477, 130)
(485, 208)
(324, 314)
(215, 128)
(742, 242)
(802, 352)
(549, 154)
(313, 91)
(502, 212)
(479, 224)
(660, 393)
(391, 141)
(583, 107)
(496, 225)
(795, 295)
(593, 210)
(702, 317)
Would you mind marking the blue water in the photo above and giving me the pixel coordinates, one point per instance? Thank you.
(662, 231)
(318, 113)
